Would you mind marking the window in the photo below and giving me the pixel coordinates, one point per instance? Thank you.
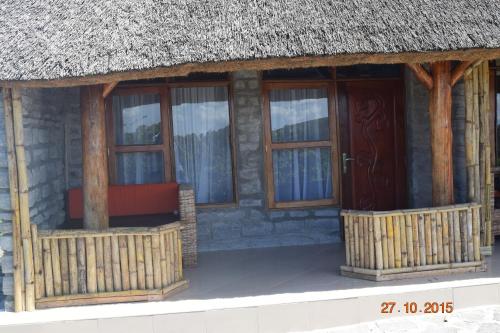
(300, 144)
(173, 132)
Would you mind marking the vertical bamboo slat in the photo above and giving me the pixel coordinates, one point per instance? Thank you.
(56, 267)
(115, 264)
(47, 268)
(148, 260)
(141, 270)
(125, 273)
(347, 240)
(37, 263)
(416, 239)
(470, 245)
(433, 224)
(371, 244)
(361, 223)
(475, 234)
(155, 249)
(132, 262)
(397, 241)
(82, 265)
(439, 238)
(379, 261)
(404, 250)
(99, 252)
(366, 242)
(72, 266)
(108, 264)
(63, 247)
(163, 260)
(357, 257)
(428, 239)
(446, 240)
(351, 241)
(451, 235)
(409, 240)
(390, 241)
(422, 239)
(91, 265)
(385, 246)
(458, 238)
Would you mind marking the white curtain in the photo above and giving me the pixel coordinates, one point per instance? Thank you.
(140, 168)
(300, 115)
(202, 142)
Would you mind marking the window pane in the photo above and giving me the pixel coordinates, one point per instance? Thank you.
(140, 168)
(302, 174)
(202, 142)
(137, 119)
(299, 115)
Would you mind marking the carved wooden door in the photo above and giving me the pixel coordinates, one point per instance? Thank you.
(373, 144)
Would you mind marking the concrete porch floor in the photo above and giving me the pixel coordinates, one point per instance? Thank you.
(285, 289)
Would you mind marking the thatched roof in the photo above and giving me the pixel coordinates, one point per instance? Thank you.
(59, 39)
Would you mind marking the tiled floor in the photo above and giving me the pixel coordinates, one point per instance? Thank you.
(264, 290)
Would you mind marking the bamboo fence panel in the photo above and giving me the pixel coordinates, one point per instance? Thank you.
(119, 264)
(410, 240)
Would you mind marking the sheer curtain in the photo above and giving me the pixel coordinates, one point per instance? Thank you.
(202, 142)
(299, 115)
(140, 168)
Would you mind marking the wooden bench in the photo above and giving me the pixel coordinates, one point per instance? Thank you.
(145, 205)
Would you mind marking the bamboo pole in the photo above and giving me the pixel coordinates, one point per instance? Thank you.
(439, 238)
(122, 240)
(422, 239)
(63, 247)
(463, 236)
(357, 255)
(371, 244)
(37, 263)
(361, 242)
(365, 243)
(397, 241)
(155, 249)
(108, 264)
(351, 242)
(115, 260)
(99, 252)
(81, 265)
(148, 260)
(390, 241)
(91, 265)
(141, 270)
(47, 268)
(428, 239)
(487, 153)
(409, 240)
(451, 235)
(377, 233)
(404, 250)
(469, 138)
(132, 262)
(434, 238)
(446, 240)
(475, 234)
(171, 261)
(385, 246)
(24, 213)
(470, 245)
(347, 240)
(17, 254)
(416, 239)
(458, 238)
(56, 267)
(73, 266)
(163, 259)
(178, 257)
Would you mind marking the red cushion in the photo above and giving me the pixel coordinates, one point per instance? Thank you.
(129, 200)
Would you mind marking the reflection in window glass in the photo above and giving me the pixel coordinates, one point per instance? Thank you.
(302, 174)
(202, 142)
(299, 115)
(137, 119)
(139, 168)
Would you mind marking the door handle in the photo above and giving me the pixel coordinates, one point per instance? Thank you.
(345, 159)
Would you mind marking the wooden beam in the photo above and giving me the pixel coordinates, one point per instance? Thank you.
(441, 134)
(17, 252)
(264, 64)
(422, 75)
(459, 71)
(95, 158)
(108, 88)
(24, 211)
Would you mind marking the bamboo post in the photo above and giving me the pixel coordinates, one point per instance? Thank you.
(141, 270)
(56, 267)
(390, 241)
(115, 259)
(422, 236)
(63, 247)
(73, 266)
(148, 259)
(17, 254)
(81, 265)
(108, 265)
(47, 268)
(377, 233)
(23, 191)
(346, 220)
(385, 246)
(397, 241)
(132, 262)
(91, 265)
(469, 138)
(124, 262)
(99, 252)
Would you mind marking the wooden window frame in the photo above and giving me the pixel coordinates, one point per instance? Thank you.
(167, 133)
(332, 143)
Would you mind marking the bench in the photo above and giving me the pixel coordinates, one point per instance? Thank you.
(145, 205)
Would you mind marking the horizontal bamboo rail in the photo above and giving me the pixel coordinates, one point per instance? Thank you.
(76, 267)
(404, 243)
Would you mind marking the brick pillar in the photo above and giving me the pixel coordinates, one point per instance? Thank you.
(187, 210)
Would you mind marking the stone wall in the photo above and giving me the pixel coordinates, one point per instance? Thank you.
(251, 224)
(44, 133)
(418, 143)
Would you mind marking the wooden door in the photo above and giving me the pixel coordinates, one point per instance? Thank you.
(373, 144)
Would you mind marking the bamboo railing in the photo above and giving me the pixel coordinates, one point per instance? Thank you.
(76, 267)
(406, 243)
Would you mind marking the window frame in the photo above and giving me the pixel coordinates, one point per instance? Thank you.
(332, 143)
(167, 131)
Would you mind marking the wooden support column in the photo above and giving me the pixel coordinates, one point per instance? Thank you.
(441, 134)
(440, 83)
(95, 158)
